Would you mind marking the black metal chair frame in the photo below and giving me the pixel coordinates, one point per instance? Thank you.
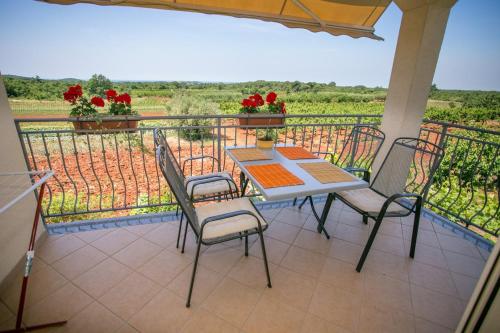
(352, 143)
(415, 208)
(159, 139)
(174, 180)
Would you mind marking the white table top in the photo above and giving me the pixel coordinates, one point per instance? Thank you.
(310, 187)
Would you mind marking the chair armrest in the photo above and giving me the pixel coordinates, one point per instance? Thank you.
(366, 172)
(200, 157)
(397, 196)
(228, 215)
(210, 179)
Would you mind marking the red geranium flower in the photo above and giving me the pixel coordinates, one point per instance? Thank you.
(246, 103)
(97, 101)
(110, 94)
(257, 98)
(123, 98)
(271, 97)
(73, 93)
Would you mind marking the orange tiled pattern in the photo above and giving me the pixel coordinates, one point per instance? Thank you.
(295, 153)
(273, 175)
(133, 279)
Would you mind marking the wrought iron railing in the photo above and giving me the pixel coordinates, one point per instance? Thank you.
(113, 172)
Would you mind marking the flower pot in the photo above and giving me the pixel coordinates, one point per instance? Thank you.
(260, 119)
(265, 144)
(105, 124)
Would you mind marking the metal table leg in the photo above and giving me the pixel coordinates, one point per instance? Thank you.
(324, 214)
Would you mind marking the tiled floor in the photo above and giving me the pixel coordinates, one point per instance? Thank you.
(134, 280)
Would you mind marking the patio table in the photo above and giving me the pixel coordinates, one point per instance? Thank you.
(310, 187)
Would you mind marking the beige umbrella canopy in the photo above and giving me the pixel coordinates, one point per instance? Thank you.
(354, 18)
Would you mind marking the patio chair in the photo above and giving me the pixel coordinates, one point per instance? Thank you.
(215, 222)
(204, 187)
(414, 160)
(357, 155)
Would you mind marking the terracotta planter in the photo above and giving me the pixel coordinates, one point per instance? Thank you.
(259, 119)
(265, 144)
(105, 124)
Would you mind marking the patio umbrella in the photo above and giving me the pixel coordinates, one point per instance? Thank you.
(354, 18)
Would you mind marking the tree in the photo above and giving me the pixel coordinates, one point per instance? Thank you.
(98, 84)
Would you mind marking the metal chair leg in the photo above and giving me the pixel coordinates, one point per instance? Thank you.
(294, 201)
(179, 232)
(304, 201)
(365, 219)
(264, 255)
(185, 236)
(416, 222)
(188, 303)
(246, 245)
(368, 245)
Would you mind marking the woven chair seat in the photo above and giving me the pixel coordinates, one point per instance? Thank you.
(211, 188)
(369, 201)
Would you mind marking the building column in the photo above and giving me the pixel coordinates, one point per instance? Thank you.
(419, 42)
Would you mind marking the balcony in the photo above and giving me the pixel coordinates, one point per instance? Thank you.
(110, 264)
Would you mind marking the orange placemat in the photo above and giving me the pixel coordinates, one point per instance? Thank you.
(250, 154)
(295, 153)
(273, 175)
(326, 173)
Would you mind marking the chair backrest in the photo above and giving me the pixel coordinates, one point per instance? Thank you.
(160, 140)
(173, 175)
(360, 148)
(410, 161)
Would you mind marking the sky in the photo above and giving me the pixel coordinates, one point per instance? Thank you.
(54, 41)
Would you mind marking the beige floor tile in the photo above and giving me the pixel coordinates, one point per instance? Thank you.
(390, 228)
(95, 318)
(312, 225)
(60, 305)
(93, 235)
(436, 307)
(458, 245)
(462, 264)
(190, 247)
(232, 301)
(220, 258)
(303, 261)
(342, 275)
(389, 264)
(465, 285)
(114, 241)
(314, 324)
(291, 288)
(313, 241)
(389, 292)
(352, 218)
(206, 322)
(270, 214)
(165, 266)
(432, 278)
(336, 305)
(5, 313)
(40, 284)
(137, 253)
(484, 253)
(79, 261)
(292, 216)
(351, 234)
(165, 313)
(164, 235)
(275, 250)
(205, 283)
(130, 295)
(426, 237)
(251, 272)
(272, 316)
(53, 250)
(345, 251)
(282, 232)
(424, 223)
(425, 326)
(390, 244)
(379, 319)
(143, 229)
(127, 329)
(428, 255)
(102, 277)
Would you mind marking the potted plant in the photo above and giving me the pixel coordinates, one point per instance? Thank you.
(88, 118)
(257, 111)
(266, 141)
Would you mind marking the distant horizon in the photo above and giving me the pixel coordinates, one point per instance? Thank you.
(225, 82)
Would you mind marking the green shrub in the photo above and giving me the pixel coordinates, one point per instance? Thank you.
(186, 105)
